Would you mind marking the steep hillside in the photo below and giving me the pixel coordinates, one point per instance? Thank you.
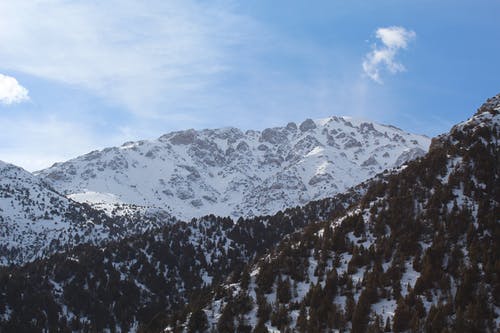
(141, 281)
(228, 172)
(413, 249)
(420, 252)
(35, 220)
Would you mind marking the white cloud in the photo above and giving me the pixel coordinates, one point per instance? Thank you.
(395, 37)
(383, 56)
(11, 91)
(139, 54)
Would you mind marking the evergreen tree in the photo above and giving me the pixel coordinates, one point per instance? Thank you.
(197, 322)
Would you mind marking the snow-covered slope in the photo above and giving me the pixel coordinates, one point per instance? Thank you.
(228, 172)
(35, 220)
(415, 249)
(419, 253)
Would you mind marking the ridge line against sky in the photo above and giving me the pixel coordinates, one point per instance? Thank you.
(81, 75)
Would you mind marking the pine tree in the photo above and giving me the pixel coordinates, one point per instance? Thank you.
(302, 319)
(260, 327)
(245, 278)
(360, 315)
(198, 321)
(283, 293)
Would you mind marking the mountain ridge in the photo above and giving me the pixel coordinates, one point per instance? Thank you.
(418, 252)
(229, 172)
(36, 220)
(414, 249)
(251, 161)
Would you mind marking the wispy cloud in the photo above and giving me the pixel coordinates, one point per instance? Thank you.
(11, 91)
(141, 55)
(383, 57)
(155, 66)
(37, 141)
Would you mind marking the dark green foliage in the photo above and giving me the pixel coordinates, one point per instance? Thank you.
(283, 292)
(197, 321)
(226, 321)
(438, 216)
(434, 218)
(360, 315)
(260, 328)
(280, 317)
(148, 278)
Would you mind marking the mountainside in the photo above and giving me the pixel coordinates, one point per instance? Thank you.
(35, 220)
(414, 249)
(138, 283)
(228, 172)
(420, 252)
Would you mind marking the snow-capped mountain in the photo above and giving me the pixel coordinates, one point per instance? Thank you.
(419, 253)
(229, 172)
(188, 174)
(35, 220)
(414, 249)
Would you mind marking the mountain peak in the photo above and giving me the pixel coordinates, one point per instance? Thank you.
(492, 105)
(414, 249)
(229, 172)
(418, 245)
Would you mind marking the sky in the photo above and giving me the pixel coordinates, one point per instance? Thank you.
(80, 75)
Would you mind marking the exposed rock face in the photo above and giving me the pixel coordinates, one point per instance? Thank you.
(273, 136)
(307, 125)
(410, 154)
(369, 162)
(183, 138)
(321, 178)
(435, 220)
(351, 143)
(228, 172)
(291, 126)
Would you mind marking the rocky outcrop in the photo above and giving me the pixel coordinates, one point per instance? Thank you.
(229, 172)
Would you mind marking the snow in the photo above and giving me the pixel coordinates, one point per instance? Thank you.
(315, 152)
(195, 173)
(95, 197)
(497, 319)
(409, 278)
(36, 221)
(318, 164)
(385, 308)
(6, 315)
(207, 279)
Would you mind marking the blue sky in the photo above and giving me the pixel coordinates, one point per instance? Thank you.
(82, 75)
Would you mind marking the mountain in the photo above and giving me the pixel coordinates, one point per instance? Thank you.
(141, 185)
(225, 172)
(228, 172)
(419, 252)
(412, 249)
(36, 220)
(140, 282)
